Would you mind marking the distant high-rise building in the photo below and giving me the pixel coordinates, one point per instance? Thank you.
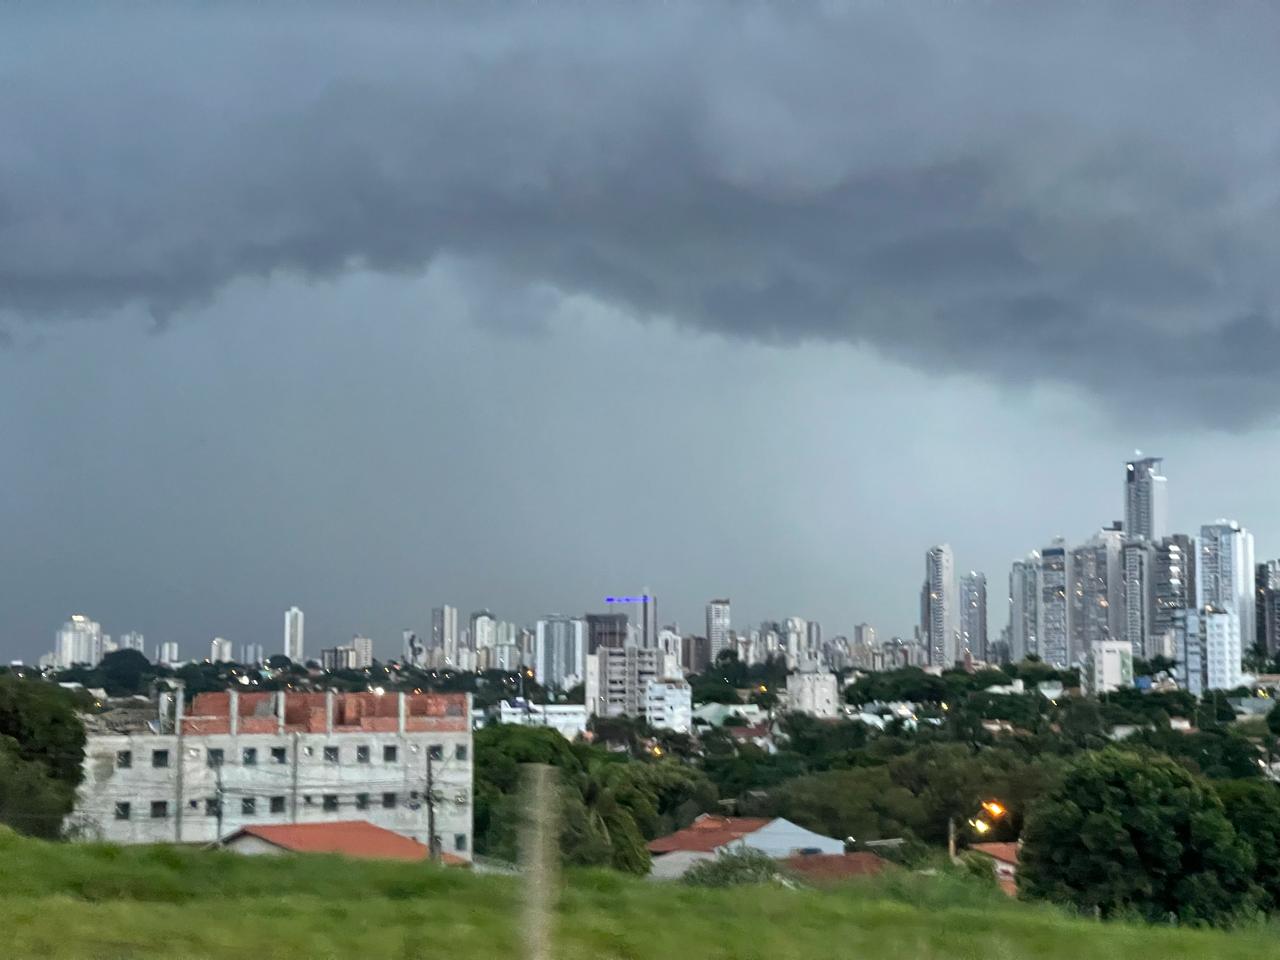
(415, 651)
(220, 651)
(1175, 589)
(1138, 557)
(973, 614)
(1024, 607)
(1207, 649)
(363, 647)
(1225, 572)
(1145, 503)
(606, 630)
(444, 634)
(940, 623)
(484, 630)
(1054, 628)
(617, 679)
(1267, 607)
(864, 635)
(132, 641)
(813, 636)
(560, 650)
(251, 654)
(695, 654)
(167, 654)
(718, 624)
(294, 647)
(1097, 591)
(78, 641)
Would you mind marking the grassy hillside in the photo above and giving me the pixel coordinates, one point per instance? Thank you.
(104, 903)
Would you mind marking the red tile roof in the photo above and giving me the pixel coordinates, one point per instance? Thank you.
(1004, 852)
(707, 833)
(836, 866)
(349, 838)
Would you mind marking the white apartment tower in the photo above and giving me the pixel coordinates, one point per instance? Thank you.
(717, 627)
(973, 614)
(1024, 607)
(1208, 649)
(444, 633)
(1225, 572)
(1145, 500)
(1054, 627)
(559, 652)
(940, 623)
(293, 635)
(79, 640)
(220, 651)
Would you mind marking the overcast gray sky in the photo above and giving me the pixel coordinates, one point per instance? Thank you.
(514, 305)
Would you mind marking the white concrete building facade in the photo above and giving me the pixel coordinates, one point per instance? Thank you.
(813, 694)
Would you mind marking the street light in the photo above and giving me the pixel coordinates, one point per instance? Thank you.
(994, 809)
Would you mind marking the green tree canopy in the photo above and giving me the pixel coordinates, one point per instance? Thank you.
(31, 801)
(1123, 832)
(41, 720)
(125, 672)
(1253, 807)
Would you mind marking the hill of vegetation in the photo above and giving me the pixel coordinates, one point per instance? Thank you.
(95, 902)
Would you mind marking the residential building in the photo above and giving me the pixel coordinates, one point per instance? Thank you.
(940, 624)
(1024, 607)
(1054, 627)
(1004, 861)
(444, 634)
(354, 839)
(78, 641)
(415, 651)
(1175, 589)
(1097, 593)
(718, 625)
(1109, 666)
(220, 651)
(167, 654)
(1267, 607)
(363, 648)
(568, 719)
(617, 679)
(132, 641)
(252, 654)
(815, 694)
(1145, 500)
(559, 656)
(606, 630)
(294, 646)
(1225, 572)
(973, 614)
(695, 654)
(710, 835)
(668, 705)
(484, 630)
(239, 759)
(1139, 558)
(338, 658)
(1208, 649)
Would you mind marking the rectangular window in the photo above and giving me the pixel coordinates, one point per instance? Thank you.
(159, 758)
(214, 757)
(122, 811)
(330, 801)
(159, 809)
(362, 754)
(248, 806)
(460, 841)
(124, 759)
(388, 801)
(362, 801)
(460, 753)
(212, 807)
(435, 752)
(330, 754)
(277, 804)
(279, 755)
(388, 754)
(249, 756)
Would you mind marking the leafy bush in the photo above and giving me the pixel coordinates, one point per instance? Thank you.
(734, 868)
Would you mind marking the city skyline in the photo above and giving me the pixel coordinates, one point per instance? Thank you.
(344, 334)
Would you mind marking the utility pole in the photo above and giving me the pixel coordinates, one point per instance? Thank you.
(293, 797)
(433, 842)
(217, 810)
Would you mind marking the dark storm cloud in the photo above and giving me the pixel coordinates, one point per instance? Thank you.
(1083, 193)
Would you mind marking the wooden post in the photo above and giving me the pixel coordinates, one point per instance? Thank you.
(538, 855)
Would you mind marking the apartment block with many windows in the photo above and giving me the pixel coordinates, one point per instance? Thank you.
(238, 759)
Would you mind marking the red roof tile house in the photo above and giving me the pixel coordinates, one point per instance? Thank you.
(357, 839)
(1004, 858)
(836, 867)
(709, 835)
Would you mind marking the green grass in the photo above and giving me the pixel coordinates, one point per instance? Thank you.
(101, 903)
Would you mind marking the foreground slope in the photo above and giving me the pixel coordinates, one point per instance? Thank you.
(81, 902)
